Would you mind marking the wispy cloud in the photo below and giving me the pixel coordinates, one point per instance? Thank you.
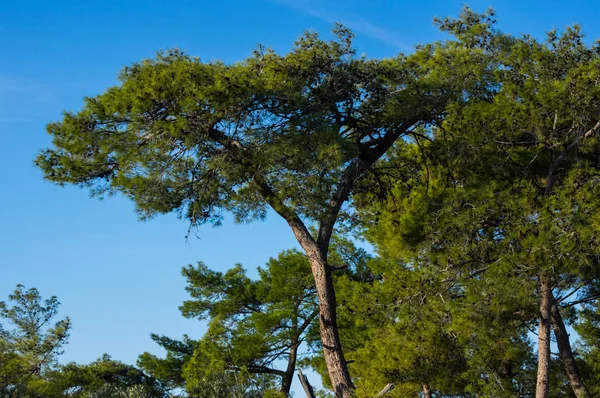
(352, 21)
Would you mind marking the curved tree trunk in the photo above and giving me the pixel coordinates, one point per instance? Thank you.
(566, 354)
(543, 374)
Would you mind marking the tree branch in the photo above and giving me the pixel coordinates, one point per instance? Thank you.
(366, 157)
(582, 301)
(259, 369)
(298, 227)
(308, 321)
(339, 267)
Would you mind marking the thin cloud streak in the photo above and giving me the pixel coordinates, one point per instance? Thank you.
(356, 23)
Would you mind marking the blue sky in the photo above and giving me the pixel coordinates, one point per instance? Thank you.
(118, 278)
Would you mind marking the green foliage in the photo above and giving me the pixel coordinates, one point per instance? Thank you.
(108, 391)
(235, 385)
(506, 188)
(406, 390)
(29, 342)
(102, 377)
(181, 135)
(168, 370)
(530, 159)
(588, 327)
(253, 326)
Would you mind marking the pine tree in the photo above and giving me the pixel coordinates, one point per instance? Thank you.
(511, 185)
(29, 343)
(255, 327)
(292, 133)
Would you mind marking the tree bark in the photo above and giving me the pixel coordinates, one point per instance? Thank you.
(543, 374)
(337, 366)
(332, 348)
(426, 391)
(566, 355)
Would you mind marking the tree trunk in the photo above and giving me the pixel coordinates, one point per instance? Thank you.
(330, 339)
(286, 382)
(543, 374)
(566, 354)
(332, 348)
(426, 391)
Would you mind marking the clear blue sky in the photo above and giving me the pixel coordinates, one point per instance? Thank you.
(117, 278)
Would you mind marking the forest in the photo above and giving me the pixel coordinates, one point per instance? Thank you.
(446, 205)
